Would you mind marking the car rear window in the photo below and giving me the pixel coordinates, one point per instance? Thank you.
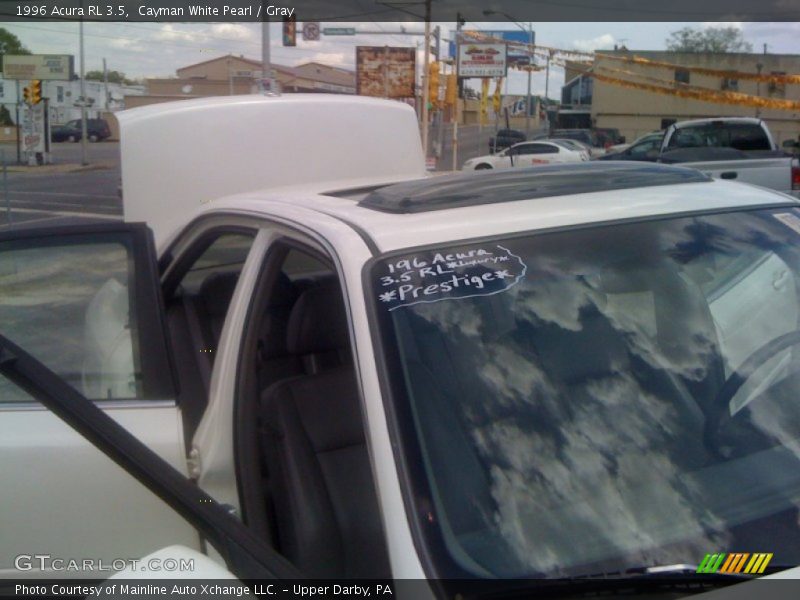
(739, 136)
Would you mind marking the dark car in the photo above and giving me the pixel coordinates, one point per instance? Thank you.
(646, 148)
(97, 130)
(587, 136)
(505, 138)
(609, 136)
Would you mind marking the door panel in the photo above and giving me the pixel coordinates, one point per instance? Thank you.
(85, 300)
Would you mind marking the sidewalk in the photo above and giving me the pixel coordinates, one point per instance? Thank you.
(60, 168)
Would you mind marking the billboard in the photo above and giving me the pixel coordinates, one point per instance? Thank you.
(385, 72)
(514, 36)
(39, 66)
(482, 60)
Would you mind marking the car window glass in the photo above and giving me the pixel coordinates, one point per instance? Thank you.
(72, 308)
(644, 147)
(226, 254)
(740, 136)
(606, 353)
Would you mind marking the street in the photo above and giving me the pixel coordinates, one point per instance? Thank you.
(93, 192)
(63, 189)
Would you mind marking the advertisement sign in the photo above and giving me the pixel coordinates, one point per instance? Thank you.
(515, 36)
(39, 66)
(33, 129)
(482, 60)
(385, 72)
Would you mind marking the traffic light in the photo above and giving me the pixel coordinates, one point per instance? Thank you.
(290, 31)
(26, 94)
(36, 91)
(450, 90)
(433, 82)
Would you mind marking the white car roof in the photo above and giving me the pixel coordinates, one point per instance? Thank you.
(393, 231)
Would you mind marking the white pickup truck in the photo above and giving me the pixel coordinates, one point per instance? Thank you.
(733, 148)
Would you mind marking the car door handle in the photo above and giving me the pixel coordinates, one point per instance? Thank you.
(729, 175)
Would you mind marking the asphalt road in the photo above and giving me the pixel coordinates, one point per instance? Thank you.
(44, 194)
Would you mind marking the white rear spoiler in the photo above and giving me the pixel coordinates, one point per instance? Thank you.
(178, 155)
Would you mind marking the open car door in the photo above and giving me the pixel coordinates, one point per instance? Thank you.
(84, 300)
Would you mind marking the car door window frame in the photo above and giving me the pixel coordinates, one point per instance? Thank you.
(148, 305)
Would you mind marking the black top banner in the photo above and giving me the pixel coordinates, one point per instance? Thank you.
(402, 10)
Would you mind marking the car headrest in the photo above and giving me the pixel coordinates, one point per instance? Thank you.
(217, 291)
(274, 327)
(318, 322)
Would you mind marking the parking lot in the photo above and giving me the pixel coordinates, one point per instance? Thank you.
(65, 188)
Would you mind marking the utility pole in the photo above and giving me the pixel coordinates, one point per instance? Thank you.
(105, 83)
(459, 23)
(425, 76)
(530, 66)
(84, 134)
(266, 66)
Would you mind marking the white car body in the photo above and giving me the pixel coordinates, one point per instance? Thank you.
(251, 179)
(526, 154)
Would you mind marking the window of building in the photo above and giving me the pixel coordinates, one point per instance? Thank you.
(730, 85)
(60, 93)
(777, 88)
(681, 75)
(2, 90)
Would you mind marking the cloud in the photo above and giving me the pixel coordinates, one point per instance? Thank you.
(169, 32)
(602, 41)
(723, 24)
(333, 59)
(236, 31)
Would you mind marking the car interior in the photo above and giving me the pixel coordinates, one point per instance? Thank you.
(305, 477)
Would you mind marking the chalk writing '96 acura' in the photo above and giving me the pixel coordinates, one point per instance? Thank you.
(448, 275)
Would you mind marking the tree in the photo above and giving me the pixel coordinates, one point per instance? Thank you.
(113, 77)
(713, 39)
(10, 44)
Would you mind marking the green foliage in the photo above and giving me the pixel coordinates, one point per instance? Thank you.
(10, 44)
(713, 39)
(113, 77)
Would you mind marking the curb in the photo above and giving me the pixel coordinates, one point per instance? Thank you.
(62, 168)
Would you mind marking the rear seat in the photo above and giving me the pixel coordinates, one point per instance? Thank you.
(320, 480)
(195, 324)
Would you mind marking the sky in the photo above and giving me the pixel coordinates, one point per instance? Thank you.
(142, 50)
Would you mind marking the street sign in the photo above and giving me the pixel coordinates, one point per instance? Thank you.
(338, 31)
(311, 32)
(38, 66)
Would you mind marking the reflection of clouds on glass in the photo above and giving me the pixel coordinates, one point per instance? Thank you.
(452, 317)
(605, 480)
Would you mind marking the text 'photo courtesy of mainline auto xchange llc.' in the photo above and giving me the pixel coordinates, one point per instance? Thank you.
(198, 589)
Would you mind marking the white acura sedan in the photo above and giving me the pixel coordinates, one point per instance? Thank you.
(526, 154)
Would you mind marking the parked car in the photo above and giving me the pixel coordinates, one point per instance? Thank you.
(505, 138)
(609, 136)
(586, 136)
(573, 145)
(526, 154)
(580, 378)
(97, 130)
(645, 148)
